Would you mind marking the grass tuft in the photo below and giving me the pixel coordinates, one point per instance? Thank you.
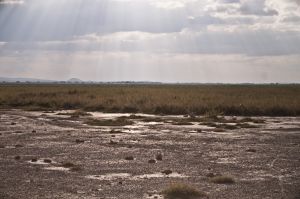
(182, 191)
(222, 179)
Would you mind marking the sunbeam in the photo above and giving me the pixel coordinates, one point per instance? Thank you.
(114, 40)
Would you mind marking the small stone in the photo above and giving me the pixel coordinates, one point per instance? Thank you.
(18, 145)
(159, 157)
(251, 150)
(112, 142)
(13, 123)
(167, 172)
(17, 157)
(129, 158)
(210, 175)
(33, 131)
(78, 141)
(47, 160)
(34, 160)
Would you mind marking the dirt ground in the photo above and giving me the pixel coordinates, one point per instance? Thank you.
(50, 155)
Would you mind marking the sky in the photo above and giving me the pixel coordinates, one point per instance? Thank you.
(205, 41)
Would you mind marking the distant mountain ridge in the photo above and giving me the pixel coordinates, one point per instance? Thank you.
(36, 80)
(17, 79)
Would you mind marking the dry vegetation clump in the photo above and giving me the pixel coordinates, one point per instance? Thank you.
(167, 172)
(47, 161)
(116, 122)
(76, 114)
(17, 157)
(182, 191)
(133, 116)
(251, 150)
(71, 166)
(152, 161)
(68, 165)
(182, 123)
(222, 179)
(129, 158)
(244, 100)
(159, 157)
(153, 119)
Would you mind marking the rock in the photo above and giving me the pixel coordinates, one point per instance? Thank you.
(129, 158)
(167, 172)
(251, 150)
(210, 175)
(78, 141)
(47, 160)
(159, 157)
(17, 157)
(112, 142)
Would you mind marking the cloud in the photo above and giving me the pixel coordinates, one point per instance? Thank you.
(135, 33)
(256, 7)
(10, 2)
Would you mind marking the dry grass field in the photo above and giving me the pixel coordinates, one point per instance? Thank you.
(247, 100)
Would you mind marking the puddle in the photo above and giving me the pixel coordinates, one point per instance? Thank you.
(160, 175)
(115, 176)
(57, 168)
(41, 162)
(226, 161)
(111, 176)
(152, 196)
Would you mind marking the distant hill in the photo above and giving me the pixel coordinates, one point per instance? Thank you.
(74, 80)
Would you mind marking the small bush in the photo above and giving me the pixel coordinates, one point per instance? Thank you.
(68, 165)
(159, 157)
(222, 179)
(182, 191)
(17, 157)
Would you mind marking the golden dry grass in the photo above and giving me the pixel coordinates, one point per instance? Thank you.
(272, 100)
